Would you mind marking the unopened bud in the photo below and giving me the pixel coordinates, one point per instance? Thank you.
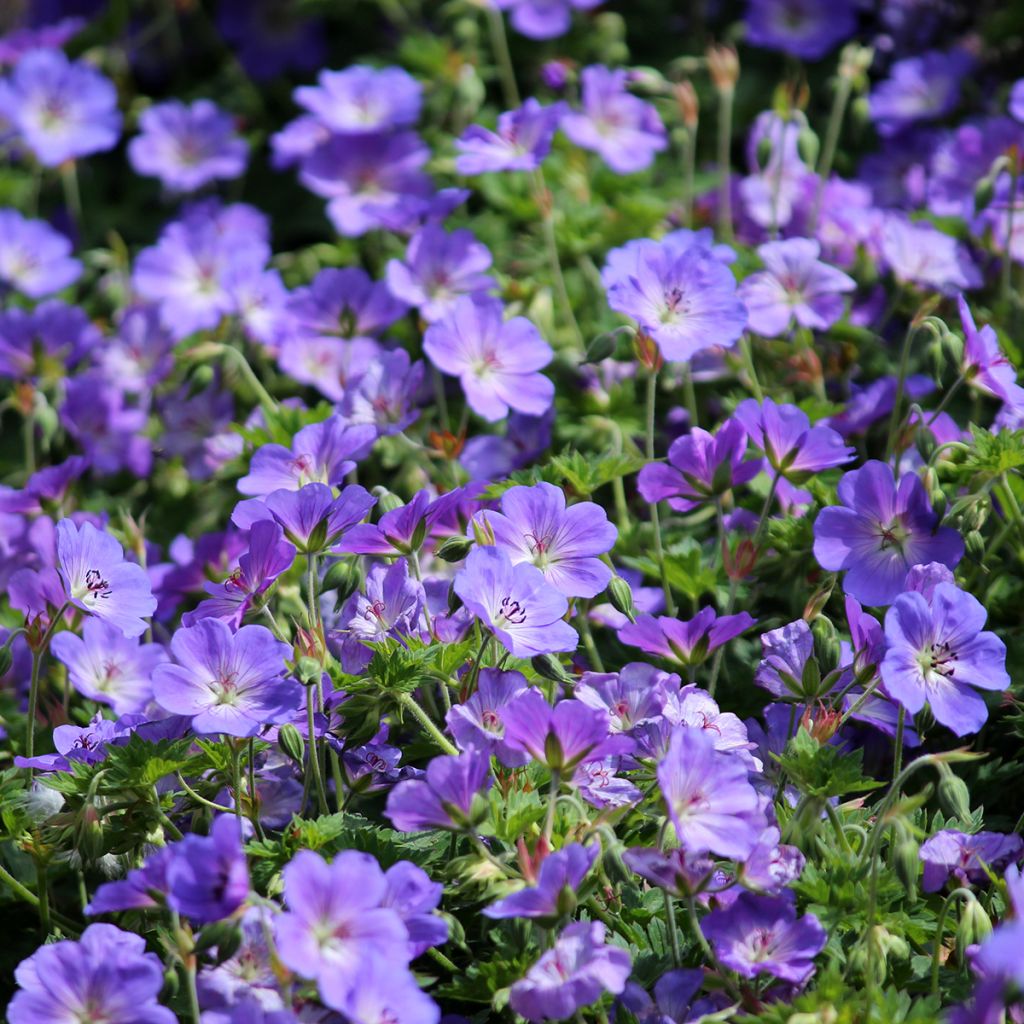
(818, 600)
(547, 666)
(6, 659)
(223, 936)
(454, 549)
(688, 103)
(974, 543)
(924, 441)
(386, 501)
(621, 596)
(763, 154)
(724, 67)
(808, 146)
(309, 670)
(826, 644)
(984, 193)
(602, 347)
(954, 796)
(939, 501)
(343, 576)
(975, 926)
(647, 353)
(906, 862)
(291, 742)
(483, 533)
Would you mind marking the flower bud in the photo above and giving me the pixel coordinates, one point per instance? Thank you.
(309, 670)
(688, 103)
(483, 533)
(975, 926)
(454, 549)
(954, 796)
(224, 936)
(819, 599)
(939, 501)
(826, 644)
(547, 666)
(974, 543)
(984, 193)
(724, 67)
(808, 146)
(600, 348)
(647, 353)
(924, 442)
(906, 862)
(6, 659)
(763, 154)
(386, 501)
(621, 596)
(342, 576)
(291, 742)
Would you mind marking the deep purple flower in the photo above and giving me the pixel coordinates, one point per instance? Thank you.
(763, 935)
(785, 653)
(187, 146)
(98, 580)
(373, 181)
(105, 666)
(967, 859)
(320, 453)
(335, 924)
(269, 555)
(624, 130)
(343, 304)
(136, 890)
(879, 531)
(480, 720)
(230, 683)
(107, 976)
(535, 526)
(497, 361)
(60, 110)
(107, 425)
(362, 100)
(207, 876)
(634, 695)
(686, 301)
(543, 19)
(795, 285)
(808, 29)
(920, 254)
(521, 142)
(516, 603)
(793, 448)
(938, 653)
(984, 365)
(554, 891)
(444, 796)
(700, 467)
(312, 518)
(686, 642)
(918, 89)
(710, 801)
(270, 40)
(999, 956)
(34, 258)
(574, 973)
(562, 736)
(439, 267)
(676, 870)
(85, 744)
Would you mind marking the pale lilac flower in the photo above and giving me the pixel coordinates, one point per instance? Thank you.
(795, 285)
(497, 361)
(575, 972)
(686, 642)
(333, 366)
(414, 897)
(634, 695)
(343, 304)
(624, 130)
(444, 796)
(920, 254)
(543, 19)
(98, 580)
(34, 258)
(187, 146)
(362, 100)
(440, 267)
(967, 859)
(516, 603)
(918, 89)
(697, 709)
(382, 994)
(521, 142)
(384, 395)
(554, 892)
(480, 720)
(985, 367)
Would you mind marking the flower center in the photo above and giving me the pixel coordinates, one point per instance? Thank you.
(512, 612)
(94, 588)
(938, 659)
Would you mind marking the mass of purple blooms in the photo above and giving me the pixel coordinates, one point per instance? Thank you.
(511, 511)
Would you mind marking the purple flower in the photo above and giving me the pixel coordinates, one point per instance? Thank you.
(562, 736)
(381, 994)
(496, 360)
(785, 653)
(86, 744)
(803, 28)
(207, 876)
(106, 667)
(516, 603)
(794, 285)
(444, 796)
(401, 530)
(918, 89)
(245, 979)
(230, 683)
(574, 973)
(269, 555)
(554, 893)
(771, 865)
(700, 467)
(440, 267)
(312, 518)
(938, 653)
(966, 858)
(710, 801)
(686, 642)
(372, 181)
(543, 19)
(384, 396)
(881, 529)
(625, 131)
(763, 935)
(270, 39)
(34, 258)
(98, 580)
(414, 897)
(107, 975)
(187, 146)
(984, 365)
(343, 304)
(362, 100)
(135, 891)
(45, 342)
(107, 424)
(521, 143)
(685, 300)
(636, 694)
(534, 526)
(480, 720)
(320, 453)
(60, 110)
(676, 870)
(335, 925)
(696, 709)
(139, 356)
(793, 448)
(918, 253)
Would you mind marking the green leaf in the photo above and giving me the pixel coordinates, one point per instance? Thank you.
(823, 771)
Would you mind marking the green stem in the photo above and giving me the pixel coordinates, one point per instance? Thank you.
(72, 196)
(408, 704)
(33, 692)
(725, 102)
(659, 551)
(748, 362)
(439, 957)
(1007, 267)
(28, 435)
(940, 925)
(312, 753)
(689, 174)
(673, 931)
(220, 808)
(901, 380)
(588, 640)
(543, 199)
(266, 400)
(957, 384)
(254, 816)
(28, 896)
(553, 788)
(44, 897)
(897, 754)
(828, 151)
(690, 396)
(499, 44)
(762, 522)
(236, 779)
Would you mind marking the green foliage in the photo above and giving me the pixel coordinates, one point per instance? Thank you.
(823, 770)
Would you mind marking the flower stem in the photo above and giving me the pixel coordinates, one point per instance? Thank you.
(502, 56)
(835, 123)
(659, 552)
(1007, 267)
(901, 380)
(33, 692)
(553, 788)
(673, 931)
(545, 205)
(940, 924)
(313, 753)
(748, 363)
(725, 102)
(408, 704)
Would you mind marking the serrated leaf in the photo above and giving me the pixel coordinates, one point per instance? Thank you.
(823, 771)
